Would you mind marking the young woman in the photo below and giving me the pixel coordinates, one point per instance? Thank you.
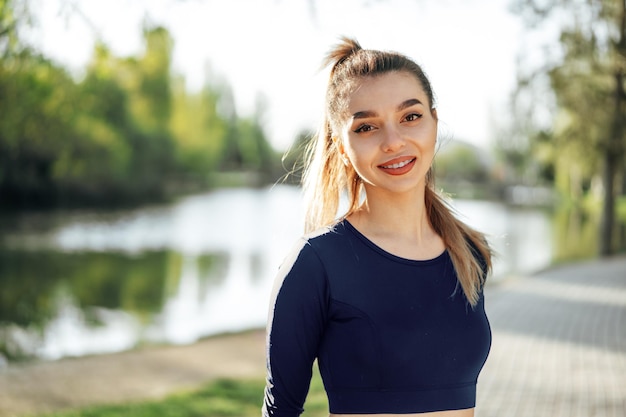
(388, 295)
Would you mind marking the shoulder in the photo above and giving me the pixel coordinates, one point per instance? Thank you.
(315, 249)
(303, 274)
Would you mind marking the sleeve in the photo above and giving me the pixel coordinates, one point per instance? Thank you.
(296, 321)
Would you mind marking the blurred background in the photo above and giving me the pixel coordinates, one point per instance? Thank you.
(148, 149)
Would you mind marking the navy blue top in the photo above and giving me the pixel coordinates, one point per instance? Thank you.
(391, 335)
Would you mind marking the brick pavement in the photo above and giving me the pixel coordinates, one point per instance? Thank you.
(559, 344)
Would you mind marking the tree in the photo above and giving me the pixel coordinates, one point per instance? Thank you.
(147, 81)
(127, 131)
(199, 131)
(586, 76)
(36, 119)
(13, 15)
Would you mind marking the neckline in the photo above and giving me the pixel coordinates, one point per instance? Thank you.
(390, 255)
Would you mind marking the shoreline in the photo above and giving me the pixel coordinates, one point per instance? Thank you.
(144, 373)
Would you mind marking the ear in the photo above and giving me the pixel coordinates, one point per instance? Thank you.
(434, 113)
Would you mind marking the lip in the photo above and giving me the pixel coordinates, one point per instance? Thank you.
(406, 164)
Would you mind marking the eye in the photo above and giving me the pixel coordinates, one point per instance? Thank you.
(411, 117)
(364, 128)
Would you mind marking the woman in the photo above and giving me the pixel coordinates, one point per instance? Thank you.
(387, 296)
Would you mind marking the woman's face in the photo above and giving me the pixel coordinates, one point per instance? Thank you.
(390, 132)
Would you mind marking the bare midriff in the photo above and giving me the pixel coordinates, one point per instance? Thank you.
(468, 412)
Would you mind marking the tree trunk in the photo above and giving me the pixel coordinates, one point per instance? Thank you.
(607, 226)
(613, 157)
(614, 150)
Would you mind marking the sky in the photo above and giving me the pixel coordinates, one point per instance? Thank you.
(274, 48)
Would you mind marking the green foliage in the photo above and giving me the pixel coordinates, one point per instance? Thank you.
(146, 79)
(13, 15)
(575, 231)
(582, 83)
(36, 118)
(461, 163)
(220, 398)
(127, 132)
(583, 89)
(199, 131)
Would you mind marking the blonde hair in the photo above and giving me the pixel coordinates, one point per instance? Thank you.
(326, 178)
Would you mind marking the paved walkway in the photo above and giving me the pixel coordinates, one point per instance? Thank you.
(559, 346)
(559, 349)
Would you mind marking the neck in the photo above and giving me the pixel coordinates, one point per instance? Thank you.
(399, 224)
(392, 214)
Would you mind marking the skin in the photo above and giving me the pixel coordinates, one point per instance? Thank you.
(391, 123)
(389, 138)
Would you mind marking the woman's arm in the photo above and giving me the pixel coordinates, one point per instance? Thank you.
(297, 317)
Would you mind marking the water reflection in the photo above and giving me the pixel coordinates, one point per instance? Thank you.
(33, 282)
(82, 283)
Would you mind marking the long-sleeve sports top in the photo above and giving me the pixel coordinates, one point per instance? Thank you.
(391, 335)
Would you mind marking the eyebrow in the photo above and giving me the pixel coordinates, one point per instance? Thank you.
(369, 113)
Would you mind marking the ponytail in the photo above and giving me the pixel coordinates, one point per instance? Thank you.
(326, 179)
(343, 50)
(325, 176)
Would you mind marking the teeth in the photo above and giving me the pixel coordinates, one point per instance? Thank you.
(398, 165)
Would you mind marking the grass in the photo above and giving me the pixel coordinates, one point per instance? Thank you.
(220, 398)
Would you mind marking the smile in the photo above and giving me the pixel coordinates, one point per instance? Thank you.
(398, 164)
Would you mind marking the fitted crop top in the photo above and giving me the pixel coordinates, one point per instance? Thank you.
(390, 335)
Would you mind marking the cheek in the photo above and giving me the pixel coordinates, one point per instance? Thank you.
(357, 151)
(429, 137)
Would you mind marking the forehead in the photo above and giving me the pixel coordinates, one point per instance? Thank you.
(384, 90)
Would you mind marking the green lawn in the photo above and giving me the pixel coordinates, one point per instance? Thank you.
(221, 398)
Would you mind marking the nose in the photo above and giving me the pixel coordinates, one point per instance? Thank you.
(392, 140)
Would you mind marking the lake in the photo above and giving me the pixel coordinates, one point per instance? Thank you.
(91, 282)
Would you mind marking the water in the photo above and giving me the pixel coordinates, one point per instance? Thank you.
(87, 283)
